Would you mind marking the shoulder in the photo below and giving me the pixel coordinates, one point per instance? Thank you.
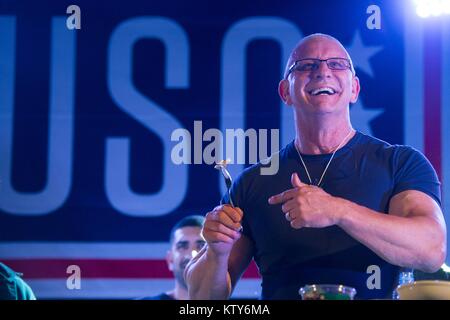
(161, 296)
(396, 152)
(367, 143)
(409, 168)
(403, 162)
(6, 272)
(12, 286)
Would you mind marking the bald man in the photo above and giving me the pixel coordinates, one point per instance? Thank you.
(344, 208)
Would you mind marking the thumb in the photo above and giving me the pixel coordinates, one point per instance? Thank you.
(295, 180)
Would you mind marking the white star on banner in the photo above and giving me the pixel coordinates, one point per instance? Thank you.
(361, 54)
(361, 117)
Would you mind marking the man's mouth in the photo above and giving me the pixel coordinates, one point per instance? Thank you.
(322, 91)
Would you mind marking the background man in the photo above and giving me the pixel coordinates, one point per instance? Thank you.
(185, 242)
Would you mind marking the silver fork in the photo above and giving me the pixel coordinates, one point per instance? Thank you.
(222, 166)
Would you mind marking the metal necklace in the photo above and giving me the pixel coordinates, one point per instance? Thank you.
(329, 161)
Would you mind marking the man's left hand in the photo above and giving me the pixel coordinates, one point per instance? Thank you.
(307, 206)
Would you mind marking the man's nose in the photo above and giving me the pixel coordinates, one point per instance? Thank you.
(322, 71)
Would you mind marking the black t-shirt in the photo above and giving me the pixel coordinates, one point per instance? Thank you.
(367, 171)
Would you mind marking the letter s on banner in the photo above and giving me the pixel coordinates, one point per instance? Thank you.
(147, 113)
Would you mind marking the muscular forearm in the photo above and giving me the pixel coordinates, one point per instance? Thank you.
(414, 242)
(207, 277)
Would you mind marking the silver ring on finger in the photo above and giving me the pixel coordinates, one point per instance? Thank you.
(288, 216)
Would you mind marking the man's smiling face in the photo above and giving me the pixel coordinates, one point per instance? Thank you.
(187, 242)
(320, 90)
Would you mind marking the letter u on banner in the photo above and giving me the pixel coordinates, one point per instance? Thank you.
(60, 138)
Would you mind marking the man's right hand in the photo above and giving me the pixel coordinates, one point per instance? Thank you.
(221, 229)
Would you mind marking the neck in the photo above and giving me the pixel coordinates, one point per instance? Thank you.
(321, 134)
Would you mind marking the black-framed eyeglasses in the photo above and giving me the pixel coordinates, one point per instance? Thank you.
(311, 64)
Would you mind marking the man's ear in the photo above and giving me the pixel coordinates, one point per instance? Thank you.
(283, 91)
(355, 89)
(169, 260)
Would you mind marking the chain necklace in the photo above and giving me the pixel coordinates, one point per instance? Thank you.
(329, 161)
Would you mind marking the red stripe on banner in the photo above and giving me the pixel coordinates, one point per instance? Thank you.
(432, 93)
(100, 268)
(252, 271)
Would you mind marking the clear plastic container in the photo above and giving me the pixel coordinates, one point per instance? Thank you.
(406, 276)
(327, 292)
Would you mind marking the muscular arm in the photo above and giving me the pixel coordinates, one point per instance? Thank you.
(212, 276)
(207, 276)
(412, 235)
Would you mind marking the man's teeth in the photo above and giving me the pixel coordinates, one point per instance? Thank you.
(324, 90)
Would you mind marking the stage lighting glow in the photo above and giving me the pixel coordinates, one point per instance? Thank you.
(445, 267)
(427, 8)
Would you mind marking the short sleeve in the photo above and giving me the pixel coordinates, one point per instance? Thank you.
(413, 171)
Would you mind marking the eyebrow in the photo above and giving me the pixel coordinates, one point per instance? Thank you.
(331, 57)
(293, 62)
(186, 241)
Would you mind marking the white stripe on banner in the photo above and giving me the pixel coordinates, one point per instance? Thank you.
(445, 133)
(124, 289)
(69, 250)
(104, 288)
(414, 82)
